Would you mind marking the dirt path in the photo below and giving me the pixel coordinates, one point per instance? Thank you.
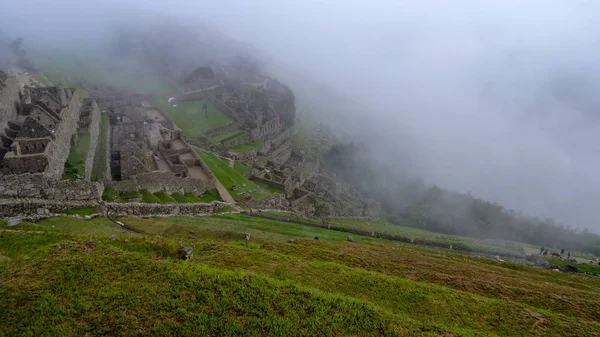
(224, 193)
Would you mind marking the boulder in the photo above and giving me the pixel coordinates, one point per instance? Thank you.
(185, 252)
(350, 239)
(13, 221)
(113, 238)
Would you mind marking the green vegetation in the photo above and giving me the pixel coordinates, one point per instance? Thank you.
(230, 177)
(81, 211)
(582, 268)
(129, 196)
(110, 195)
(100, 160)
(164, 198)
(241, 168)
(190, 118)
(75, 164)
(247, 147)
(72, 273)
(208, 196)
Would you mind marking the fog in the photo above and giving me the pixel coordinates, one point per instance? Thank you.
(493, 97)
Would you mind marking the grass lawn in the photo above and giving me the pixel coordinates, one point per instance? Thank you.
(190, 118)
(99, 168)
(241, 168)
(247, 147)
(72, 273)
(75, 164)
(230, 177)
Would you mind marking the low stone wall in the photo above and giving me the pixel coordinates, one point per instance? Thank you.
(28, 207)
(223, 129)
(236, 142)
(25, 207)
(269, 182)
(145, 209)
(278, 202)
(162, 181)
(39, 186)
(94, 130)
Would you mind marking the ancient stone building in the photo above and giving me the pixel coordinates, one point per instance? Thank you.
(38, 138)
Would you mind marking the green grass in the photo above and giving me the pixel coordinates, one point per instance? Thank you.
(581, 267)
(99, 168)
(164, 198)
(75, 164)
(149, 197)
(81, 211)
(241, 168)
(229, 176)
(190, 118)
(129, 196)
(70, 280)
(209, 196)
(247, 147)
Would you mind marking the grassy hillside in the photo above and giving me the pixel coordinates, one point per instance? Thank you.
(63, 276)
(229, 177)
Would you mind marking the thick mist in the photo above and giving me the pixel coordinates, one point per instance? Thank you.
(494, 97)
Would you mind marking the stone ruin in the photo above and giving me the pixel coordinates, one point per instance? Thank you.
(39, 125)
(147, 154)
(263, 107)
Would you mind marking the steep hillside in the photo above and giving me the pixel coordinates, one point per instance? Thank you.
(71, 277)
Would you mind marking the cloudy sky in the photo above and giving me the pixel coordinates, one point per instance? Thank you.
(497, 97)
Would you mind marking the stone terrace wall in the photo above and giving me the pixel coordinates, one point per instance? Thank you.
(145, 209)
(24, 207)
(9, 94)
(59, 149)
(39, 186)
(94, 130)
(162, 181)
(223, 129)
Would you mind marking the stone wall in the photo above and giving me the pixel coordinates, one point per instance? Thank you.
(229, 144)
(40, 186)
(94, 130)
(9, 94)
(25, 207)
(58, 150)
(223, 129)
(269, 182)
(277, 201)
(162, 181)
(145, 209)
